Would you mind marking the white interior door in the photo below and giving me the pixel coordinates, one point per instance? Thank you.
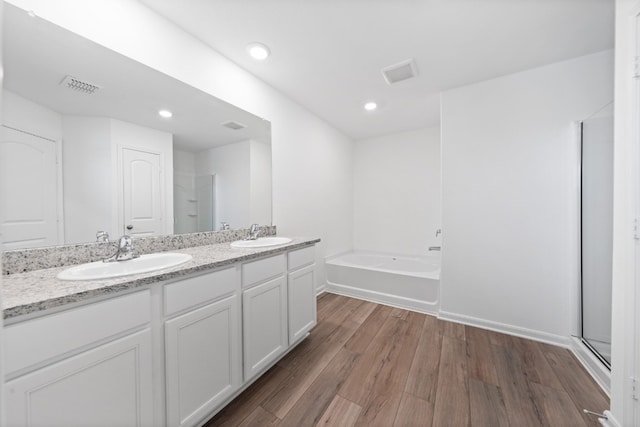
(143, 192)
(28, 190)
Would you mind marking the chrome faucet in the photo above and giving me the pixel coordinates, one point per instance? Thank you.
(254, 231)
(224, 225)
(125, 250)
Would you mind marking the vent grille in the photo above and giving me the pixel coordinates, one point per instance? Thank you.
(398, 72)
(234, 125)
(80, 85)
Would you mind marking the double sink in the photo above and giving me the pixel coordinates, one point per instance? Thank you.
(151, 262)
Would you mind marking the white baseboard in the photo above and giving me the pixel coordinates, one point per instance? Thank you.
(610, 421)
(592, 364)
(382, 298)
(506, 329)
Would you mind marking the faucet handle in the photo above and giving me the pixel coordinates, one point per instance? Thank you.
(102, 236)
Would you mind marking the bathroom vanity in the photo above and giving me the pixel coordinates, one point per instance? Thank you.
(165, 348)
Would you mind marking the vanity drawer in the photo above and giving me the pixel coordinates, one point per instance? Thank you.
(302, 257)
(193, 291)
(35, 341)
(261, 270)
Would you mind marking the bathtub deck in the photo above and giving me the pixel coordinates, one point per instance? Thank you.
(372, 365)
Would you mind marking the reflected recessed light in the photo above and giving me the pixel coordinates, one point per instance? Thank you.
(165, 113)
(370, 106)
(258, 51)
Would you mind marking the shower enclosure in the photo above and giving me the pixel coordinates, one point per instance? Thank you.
(596, 223)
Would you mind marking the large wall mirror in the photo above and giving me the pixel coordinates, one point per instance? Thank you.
(84, 149)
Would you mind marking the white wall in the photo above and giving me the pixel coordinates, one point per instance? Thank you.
(87, 178)
(26, 115)
(260, 186)
(397, 192)
(312, 161)
(625, 329)
(510, 179)
(231, 166)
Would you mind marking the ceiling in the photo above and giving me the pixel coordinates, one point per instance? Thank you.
(327, 55)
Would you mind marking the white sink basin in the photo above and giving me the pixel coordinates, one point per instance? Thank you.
(143, 264)
(260, 242)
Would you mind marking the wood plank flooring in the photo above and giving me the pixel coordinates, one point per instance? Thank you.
(371, 365)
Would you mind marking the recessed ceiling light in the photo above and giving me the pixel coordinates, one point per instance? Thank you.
(32, 14)
(165, 114)
(258, 51)
(370, 106)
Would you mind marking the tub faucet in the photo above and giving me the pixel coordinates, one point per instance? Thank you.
(253, 232)
(125, 250)
(438, 232)
(434, 248)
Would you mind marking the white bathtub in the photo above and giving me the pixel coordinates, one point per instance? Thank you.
(408, 282)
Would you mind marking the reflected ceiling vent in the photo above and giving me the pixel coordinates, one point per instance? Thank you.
(234, 125)
(80, 85)
(401, 71)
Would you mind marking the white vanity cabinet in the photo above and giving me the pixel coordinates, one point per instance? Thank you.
(82, 366)
(172, 353)
(202, 345)
(301, 292)
(264, 313)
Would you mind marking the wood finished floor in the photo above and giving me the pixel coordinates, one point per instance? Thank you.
(372, 365)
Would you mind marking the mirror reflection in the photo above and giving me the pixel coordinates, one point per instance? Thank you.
(84, 147)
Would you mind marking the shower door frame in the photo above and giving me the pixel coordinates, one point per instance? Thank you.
(580, 312)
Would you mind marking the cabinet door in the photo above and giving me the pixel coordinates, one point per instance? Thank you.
(203, 357)
(110, 385)
(302, 302)
(264, 315)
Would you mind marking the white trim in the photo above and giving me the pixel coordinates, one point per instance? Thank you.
(506, 329)
(321, 289)
(610, 421)
(384, 298)
(592, 364)
(576, 326)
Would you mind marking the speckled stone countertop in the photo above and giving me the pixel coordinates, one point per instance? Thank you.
(38, 290)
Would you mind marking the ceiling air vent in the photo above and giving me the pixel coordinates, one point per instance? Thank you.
(401, 71)
(233, 125)
(79, 85)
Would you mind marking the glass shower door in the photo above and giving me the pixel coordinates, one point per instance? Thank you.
(597, 233)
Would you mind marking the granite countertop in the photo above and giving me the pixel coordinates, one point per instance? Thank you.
(39, 290)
